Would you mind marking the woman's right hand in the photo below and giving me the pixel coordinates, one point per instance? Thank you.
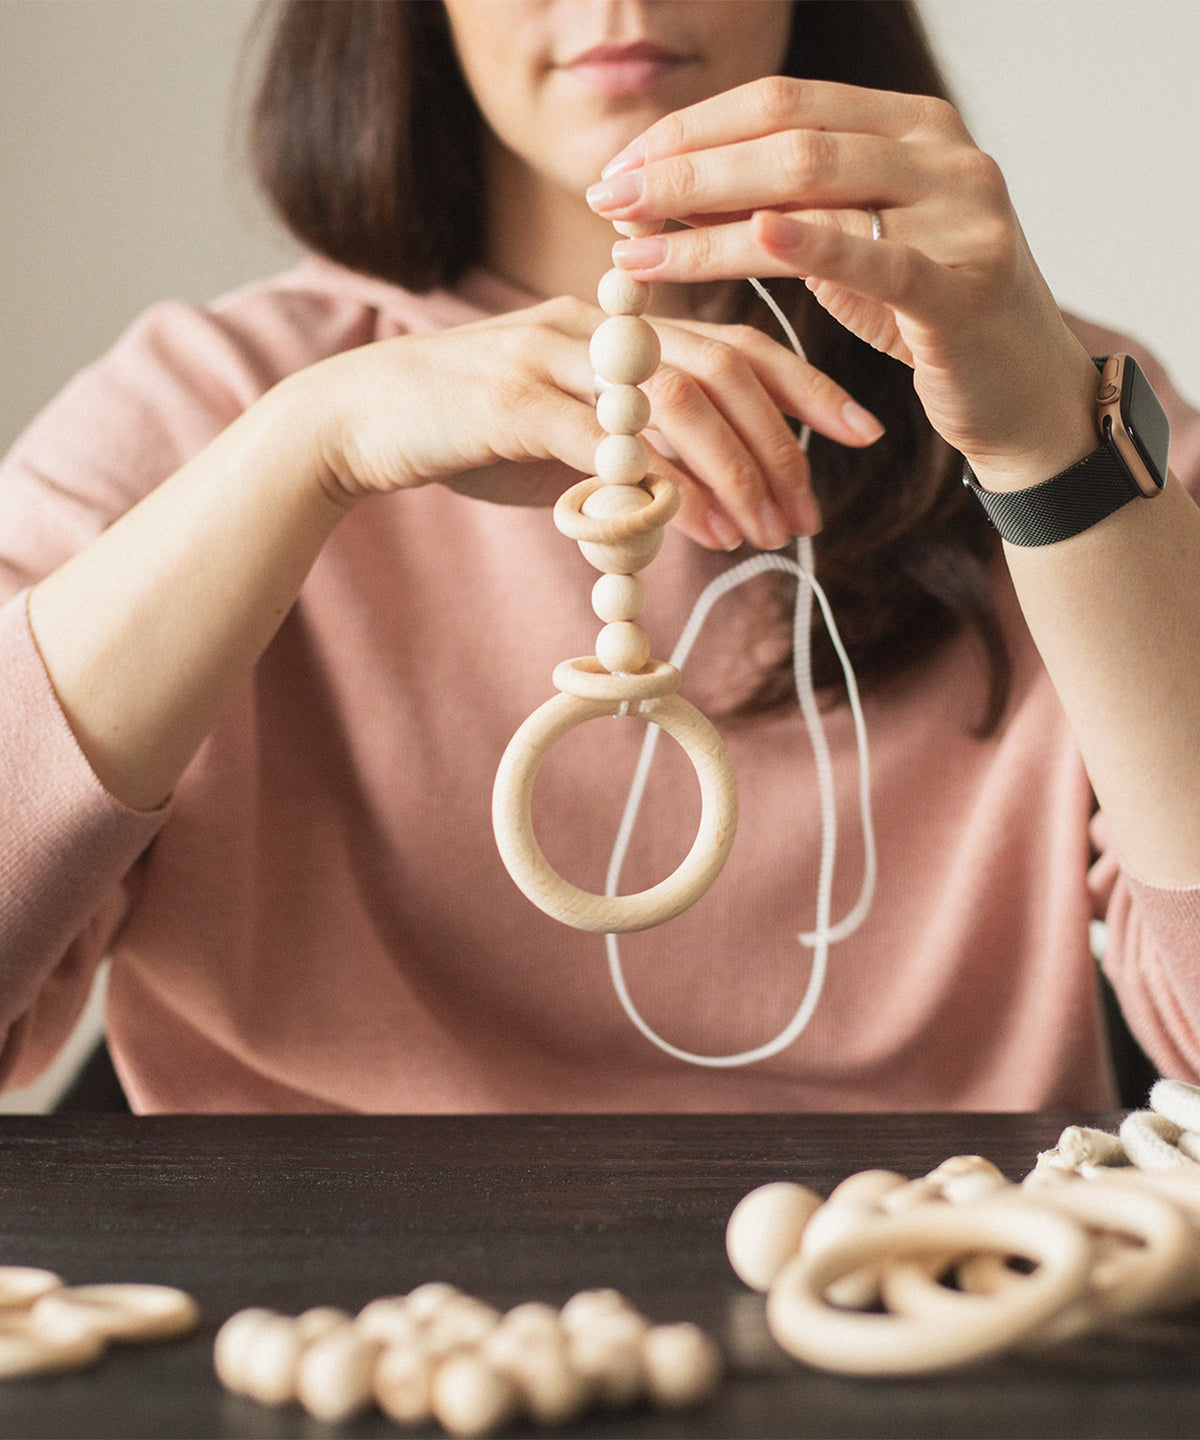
(488, 408)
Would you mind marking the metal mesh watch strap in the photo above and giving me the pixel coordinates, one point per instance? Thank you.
(1062, 506)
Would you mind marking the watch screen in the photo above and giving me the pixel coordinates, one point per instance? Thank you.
(1146, 422)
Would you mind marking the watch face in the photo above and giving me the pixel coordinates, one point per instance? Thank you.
(1145, 422)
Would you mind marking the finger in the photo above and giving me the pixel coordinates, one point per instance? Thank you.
(798, 388)
(793, 168)
(774, 103)
(711, 409)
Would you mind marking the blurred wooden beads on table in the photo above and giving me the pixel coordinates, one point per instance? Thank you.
(439, 1354)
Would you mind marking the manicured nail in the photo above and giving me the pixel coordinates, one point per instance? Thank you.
(803, 512)
(615, 194)
(774, 526)
(722, 530)
(862, 422)
(630, 158)
(642, 254)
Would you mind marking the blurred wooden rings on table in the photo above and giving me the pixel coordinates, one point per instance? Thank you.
(126, 1312)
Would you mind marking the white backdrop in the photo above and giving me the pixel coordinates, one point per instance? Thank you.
(121, 183)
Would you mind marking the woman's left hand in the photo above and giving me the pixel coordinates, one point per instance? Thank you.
(779, 177)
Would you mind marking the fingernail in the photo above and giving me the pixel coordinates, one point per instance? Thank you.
(862, 422)
(642, 254)
(774, 527)
(615, 194)
(803, 512)
(722, 530)
(630, 158)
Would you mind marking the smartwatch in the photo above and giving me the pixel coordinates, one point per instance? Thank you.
(1130, 464)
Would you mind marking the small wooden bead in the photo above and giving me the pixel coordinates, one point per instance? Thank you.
(390, 1320)
(314, 1322)
(550, 1389)
(335, 1374)
(587, 1305)
(623, 557)
(611, 1363)
(270, 1358)
(426, 1300)
(402, 1383)
(623, 409)
(233, 1342)
(620, 294)
(610, 501)
(682, 1364)
(637, 229)
(622, 647)
(622, 459)
(764, 1230)
(471, 1397)
(618, 597)
(625, 350)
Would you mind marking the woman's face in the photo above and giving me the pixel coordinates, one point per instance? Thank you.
(565, 84)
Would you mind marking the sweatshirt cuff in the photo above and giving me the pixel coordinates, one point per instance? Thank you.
(65, 841)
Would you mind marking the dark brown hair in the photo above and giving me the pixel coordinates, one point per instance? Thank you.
(368, 143)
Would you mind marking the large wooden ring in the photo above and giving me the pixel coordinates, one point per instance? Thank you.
(586, 677)
(613, 914)
(593, 530)
(811, 1329)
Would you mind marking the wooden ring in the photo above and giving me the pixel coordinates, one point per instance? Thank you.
(26, 1350)
(117, 1312)
(587, 678)
(572, 522)
(809, 1328)
(21, 1285)
(613, 914)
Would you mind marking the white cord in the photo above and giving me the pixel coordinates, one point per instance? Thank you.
(824, 935)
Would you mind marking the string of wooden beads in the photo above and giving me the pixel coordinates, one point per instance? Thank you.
(440, 1354)
(617, 517)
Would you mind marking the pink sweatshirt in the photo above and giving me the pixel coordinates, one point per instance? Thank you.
(319, 919)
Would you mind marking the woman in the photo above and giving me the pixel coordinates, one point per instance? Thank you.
(267, 644)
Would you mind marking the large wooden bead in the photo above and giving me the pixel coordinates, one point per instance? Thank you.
(624, 350)
(623, 409)
(620, 294)
(683, 1365)
(622, 647)
(610, 501)
(622, 459)
(618, 597)
(623, 557)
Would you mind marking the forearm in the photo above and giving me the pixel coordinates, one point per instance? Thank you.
(147, 632)
(1115, 613)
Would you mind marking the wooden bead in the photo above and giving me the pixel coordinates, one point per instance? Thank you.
(618, 597)
(233, 1342)
(620, 294)
(622, 459)
(270, 1357)
(623, 557)
(610, 1361)
(637, 229)
(611, 500)
(625, 350)
(403, 1383)
(470, 1397)
(623, 409)
(622, 647)
(314, 1322)
(426, 1300)
(682, 1365)
(334, 1379)
(764, 1230)
(551, 1391)
(389, 1320)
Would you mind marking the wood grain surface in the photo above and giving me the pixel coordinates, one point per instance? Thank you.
(296, 1211)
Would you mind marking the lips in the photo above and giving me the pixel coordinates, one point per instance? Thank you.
(624, 69)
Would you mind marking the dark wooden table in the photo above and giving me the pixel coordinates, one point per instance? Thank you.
(297, 1211)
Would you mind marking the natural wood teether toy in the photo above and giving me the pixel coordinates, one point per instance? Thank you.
(617, 516)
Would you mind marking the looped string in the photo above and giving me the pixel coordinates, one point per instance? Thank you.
(824, 934)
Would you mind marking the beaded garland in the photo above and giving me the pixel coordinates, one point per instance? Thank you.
(617, 517)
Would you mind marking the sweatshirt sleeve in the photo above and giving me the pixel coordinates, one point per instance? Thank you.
(69, 849)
